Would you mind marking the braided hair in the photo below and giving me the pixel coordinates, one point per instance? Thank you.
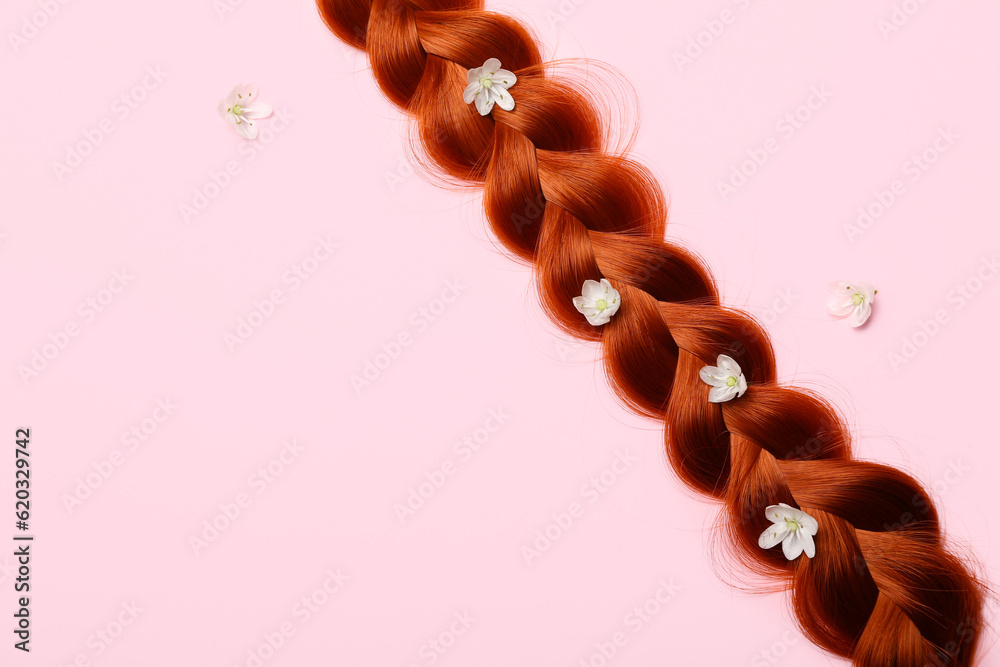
(883, 588)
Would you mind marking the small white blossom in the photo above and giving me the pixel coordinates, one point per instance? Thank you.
(488, 85)
(851, 299)
(599, 301)
(793, 528)
(241, 108)
(726, 379)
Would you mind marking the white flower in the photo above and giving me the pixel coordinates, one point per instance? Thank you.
(726, 379)
(241, 108)
(489, 84)
(854, 299)
(599, 301)
(793, 528)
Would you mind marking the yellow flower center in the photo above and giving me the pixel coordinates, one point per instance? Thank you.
(601, 304)
(731, 381)
(857, 299)
(792, 525)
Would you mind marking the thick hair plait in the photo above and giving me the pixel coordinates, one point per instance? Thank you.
(883, 588)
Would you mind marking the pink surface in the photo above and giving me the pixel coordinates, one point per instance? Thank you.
(149, 423)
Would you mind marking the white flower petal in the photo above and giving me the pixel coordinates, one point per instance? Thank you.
(729, 365)
(808, 523)
(258, 110)
(741, 385)
(490, 67)
(840, 288)
(474, 75)
(484, 103)
(471, 91)
(794, 544)
(772, 536)
(841, 305)
(231, 98)
(602, 317)
(721, 394)
(796, 515)
(247, 93)
(808, 545)
(592, 290)
(780, 513)
(861, 314)
(503, 99)
(247, 129)
(505, 78)
(581, 303)
(865, 289)
(712, 375)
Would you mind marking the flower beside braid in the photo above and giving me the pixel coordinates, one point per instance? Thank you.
(852, 300)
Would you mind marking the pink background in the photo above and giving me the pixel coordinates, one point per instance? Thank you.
(336, 168)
